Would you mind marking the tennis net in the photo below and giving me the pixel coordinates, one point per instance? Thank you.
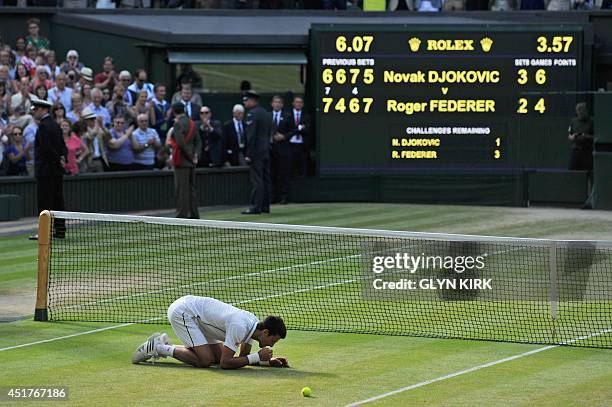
(117, 268)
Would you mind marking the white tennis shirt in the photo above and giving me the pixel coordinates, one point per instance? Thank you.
(221, 321)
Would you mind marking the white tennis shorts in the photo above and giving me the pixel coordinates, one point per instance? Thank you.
(186, 326)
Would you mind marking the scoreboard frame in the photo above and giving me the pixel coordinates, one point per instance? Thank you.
(515, 150)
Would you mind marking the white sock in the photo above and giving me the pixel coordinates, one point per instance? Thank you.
(165, 350)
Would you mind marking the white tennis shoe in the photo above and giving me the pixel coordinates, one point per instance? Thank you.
(148, 350)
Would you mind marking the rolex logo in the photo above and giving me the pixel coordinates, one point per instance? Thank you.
(486, 44)
(414, 43)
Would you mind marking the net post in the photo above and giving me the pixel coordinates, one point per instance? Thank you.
(554, 286)
(44, 241)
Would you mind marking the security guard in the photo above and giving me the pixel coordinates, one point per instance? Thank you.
(50, 156)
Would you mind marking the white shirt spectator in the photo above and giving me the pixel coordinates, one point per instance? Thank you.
(64, 96)
(147, 86)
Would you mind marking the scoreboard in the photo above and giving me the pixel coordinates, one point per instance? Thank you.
(392, 99)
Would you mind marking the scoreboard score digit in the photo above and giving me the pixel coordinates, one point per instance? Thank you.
(396, 98)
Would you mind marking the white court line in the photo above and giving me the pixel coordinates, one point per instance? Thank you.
(67, 336)
(473, 369)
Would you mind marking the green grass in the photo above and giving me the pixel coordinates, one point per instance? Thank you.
(340, 368)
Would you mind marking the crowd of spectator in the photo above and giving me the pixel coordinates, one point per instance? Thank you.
(111, 121)
(391, 5)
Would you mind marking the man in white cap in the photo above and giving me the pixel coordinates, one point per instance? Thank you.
(128, 96)
(72, 62)
(50, 157)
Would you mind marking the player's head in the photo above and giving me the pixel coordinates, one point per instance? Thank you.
(272, 330)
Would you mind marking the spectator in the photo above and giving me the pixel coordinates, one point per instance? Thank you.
(42, 78)
(140, 83)
(52, 66)
(71, 80)
(72, 63)
(145, 142)
(234, 137)
(85, 77)
(188, 75)
(4, 141)
(23, 97)
(119, 107)
(85, 92)
(125, 78)
(40, 91)
(5, 97)
(29, 59)
(187, 87)
(77, 150)
(74, 114)
(29, 136)
(297, 130)
(210, 133)
(580, 133)
(58, 112)
(5, 61)
(61, 92)
(142, 105)
(108, 77)
(606, 5)
(20, 73)
(34, 37)
(280, 162)
(97, 108)
(20, 49)
(426, 6)
(160, 112)
(120, 153)
(17, 153)
(19, 117)
(106, 96)
(95, 138)
(192, 109)
(394, 5)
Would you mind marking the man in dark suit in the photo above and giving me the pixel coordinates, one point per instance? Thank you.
(212, 139)
(258, 154)
(298, 131)
(281, 151)
(234, 137)
(50, 156)
(192, 110)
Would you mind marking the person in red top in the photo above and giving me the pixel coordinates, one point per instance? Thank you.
(108, 77)
(77, 150)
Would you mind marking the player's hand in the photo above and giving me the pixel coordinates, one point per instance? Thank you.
(279, 362)
(571, 137)
(247, 160)
(265, 354)
(278, 137)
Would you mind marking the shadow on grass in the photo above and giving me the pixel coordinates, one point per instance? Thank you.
(290, 372)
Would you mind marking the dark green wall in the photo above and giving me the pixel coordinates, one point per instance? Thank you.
(136, 190)
(94, 46)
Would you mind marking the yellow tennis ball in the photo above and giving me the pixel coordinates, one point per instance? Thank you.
(306, 392)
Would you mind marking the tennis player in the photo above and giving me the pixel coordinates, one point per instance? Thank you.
(212, 331)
